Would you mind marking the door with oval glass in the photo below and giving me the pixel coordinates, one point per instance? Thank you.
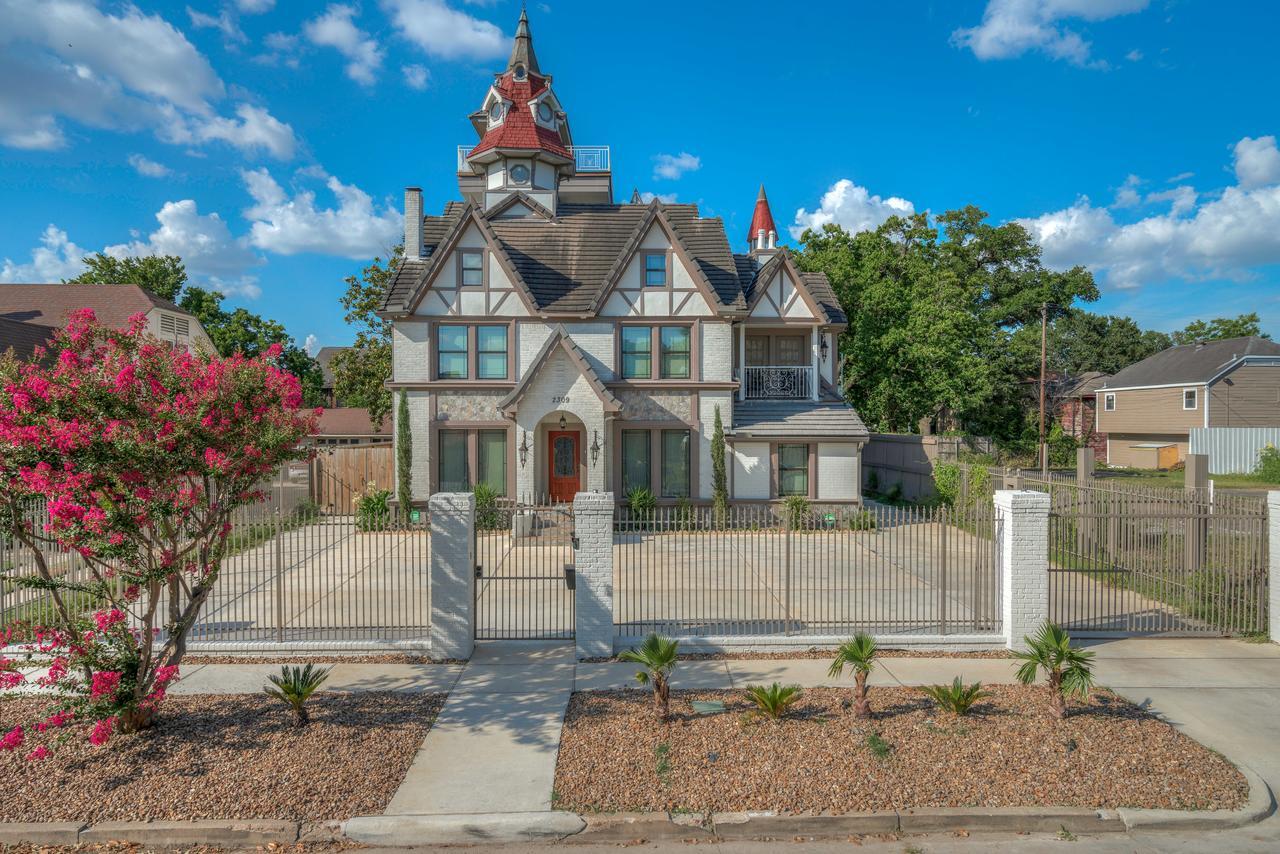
(563, 480)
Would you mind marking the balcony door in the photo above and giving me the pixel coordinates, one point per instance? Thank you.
(774, 350)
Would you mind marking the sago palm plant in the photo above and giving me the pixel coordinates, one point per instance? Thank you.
(859, 653)
(956, 698)
(773, 701)
(1069, 671)
(294, 686)
(658, 656)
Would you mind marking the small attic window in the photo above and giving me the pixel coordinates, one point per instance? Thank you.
(544, 111)
(495, 112)
(520, 73)
(520, 174)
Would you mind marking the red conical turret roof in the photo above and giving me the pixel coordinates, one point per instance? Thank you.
(762, 218)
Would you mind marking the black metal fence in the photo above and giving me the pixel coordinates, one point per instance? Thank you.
(525, 581)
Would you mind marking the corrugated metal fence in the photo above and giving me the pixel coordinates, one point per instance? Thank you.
(1233, 450)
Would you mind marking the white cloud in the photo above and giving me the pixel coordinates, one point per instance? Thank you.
(852, 207)
(445, 32)
(1128, 196)
(255, 129)
(665, 198)
(127, 71)
(1134, 55)
(245, 287)
(354, 229)
(1226, 236)
(255, 7)
(1257, 161)
(147, 167)
(416, 76)
(672, 166)
(282, 49)
(1010, 28)
(311, 345)
(224, 23)
(203, 241)
(55, 259)
(336, 29)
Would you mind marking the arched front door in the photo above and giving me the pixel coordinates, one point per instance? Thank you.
(563, 480)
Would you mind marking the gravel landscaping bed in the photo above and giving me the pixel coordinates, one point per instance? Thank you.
(228, 757)
(814, 652)
(616, 756)
(319, 658)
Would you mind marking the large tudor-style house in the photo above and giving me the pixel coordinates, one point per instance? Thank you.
(549, 340)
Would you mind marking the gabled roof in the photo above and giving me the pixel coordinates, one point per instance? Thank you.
(1086, 384)
(1191, 363)
(324, 358)
(23, 338)
(560, 340)
(52, 304)
(815, 284)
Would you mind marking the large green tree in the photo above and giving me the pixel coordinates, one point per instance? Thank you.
(231, 331)
(163, 275)
(1221, 327)
(361, 372)
(932, 307)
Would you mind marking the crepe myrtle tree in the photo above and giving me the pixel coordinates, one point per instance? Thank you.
(132, 455)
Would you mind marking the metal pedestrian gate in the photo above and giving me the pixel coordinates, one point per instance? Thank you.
(524, 572)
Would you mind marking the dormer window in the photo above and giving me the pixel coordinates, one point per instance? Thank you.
(544, 112)
(520, 72)
(519, 174)
(495, 112)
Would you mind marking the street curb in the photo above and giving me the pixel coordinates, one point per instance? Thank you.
(153, 834)
(459, 828)
(1261, 803)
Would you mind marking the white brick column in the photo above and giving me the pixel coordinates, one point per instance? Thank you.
(1273, 574)
(593, 571)
(1022, 555)
(453, 574)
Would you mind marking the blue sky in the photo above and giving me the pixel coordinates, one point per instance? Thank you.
(269, 142)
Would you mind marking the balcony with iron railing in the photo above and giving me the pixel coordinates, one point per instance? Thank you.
(586, 158)
(778, 382)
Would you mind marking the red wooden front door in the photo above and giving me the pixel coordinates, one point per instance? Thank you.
(562, 464)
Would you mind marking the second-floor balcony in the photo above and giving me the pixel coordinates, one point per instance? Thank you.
(778, 382)
(586, 158)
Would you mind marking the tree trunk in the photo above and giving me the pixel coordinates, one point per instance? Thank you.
(301, 717)
(135, 720)
(861, 706)
(662, 698)
(1058, 701)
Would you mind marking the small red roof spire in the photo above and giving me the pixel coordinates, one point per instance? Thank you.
(761, 219)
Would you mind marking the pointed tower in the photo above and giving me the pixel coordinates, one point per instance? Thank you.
(525, 144)
(762, 236)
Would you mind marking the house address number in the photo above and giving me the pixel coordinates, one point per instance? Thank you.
(560, 399)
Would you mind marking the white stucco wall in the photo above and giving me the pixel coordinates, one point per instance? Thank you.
(750, 469)
(717, 352)
(837, 471)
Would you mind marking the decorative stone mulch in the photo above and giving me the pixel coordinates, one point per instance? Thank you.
(826, 653)
(616, 756)
(318, 658)
(227, 757)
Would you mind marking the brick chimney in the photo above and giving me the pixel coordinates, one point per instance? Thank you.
(413, 222)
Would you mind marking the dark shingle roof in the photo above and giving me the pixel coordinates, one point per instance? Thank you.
(52, 304)
(434, 231)
(23, 338)
(820, 289)
(1191, 363)
(324, 358)
(799, 418)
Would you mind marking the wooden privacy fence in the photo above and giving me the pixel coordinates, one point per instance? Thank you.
(340, 474)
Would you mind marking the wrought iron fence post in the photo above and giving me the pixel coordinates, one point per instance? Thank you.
(786, 564)
(279, 550)
(942, 603)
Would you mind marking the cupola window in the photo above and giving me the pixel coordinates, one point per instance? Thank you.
(520, 73)
(544, 112)
(495, 112)
(520, 174)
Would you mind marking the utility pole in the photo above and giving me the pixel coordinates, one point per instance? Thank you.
(1044, 325)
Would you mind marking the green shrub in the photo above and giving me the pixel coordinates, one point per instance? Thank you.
(488, 515)
(306, 510)
(1268, 468)
(641, 503)
(879, 748)
(947, 479)
(863, 520)
(373, 509)
(294, 686)
(773, 701)
(956, 698)
(873, 481)
(682, 515)
(798, 511)
(894, 493)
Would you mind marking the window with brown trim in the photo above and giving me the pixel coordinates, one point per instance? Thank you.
(451, 352)
(471, 268)
(655, 269)
(793, 470)
(637, 352)
(491, 352)
(674, 347)
(465, 352)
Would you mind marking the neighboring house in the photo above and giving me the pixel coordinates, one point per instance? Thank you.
(52, 304)
(348, 425)
(324, 357)
(23, 338)
(550, 340)
(1076, 409)
(1148, 409)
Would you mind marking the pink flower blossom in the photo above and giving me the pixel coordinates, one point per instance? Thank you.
(104, 683)
(107, 619)
(41, 752)
(12, 739)
(102, 731)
